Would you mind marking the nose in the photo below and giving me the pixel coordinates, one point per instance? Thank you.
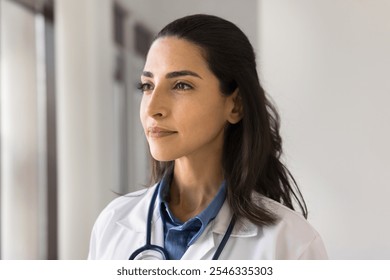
(155, 103)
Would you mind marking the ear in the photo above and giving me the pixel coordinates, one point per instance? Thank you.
(235, 113)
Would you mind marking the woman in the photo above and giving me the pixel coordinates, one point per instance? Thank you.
(220, 189)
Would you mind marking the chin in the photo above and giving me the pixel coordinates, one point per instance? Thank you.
(162, 156)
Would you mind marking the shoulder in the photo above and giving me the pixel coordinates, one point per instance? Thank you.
(294, 232)
(287, 217)
(115, 228)
(122, 206)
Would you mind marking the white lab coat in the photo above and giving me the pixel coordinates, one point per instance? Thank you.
(121, 229)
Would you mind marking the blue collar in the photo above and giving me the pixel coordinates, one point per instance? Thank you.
(196, 224)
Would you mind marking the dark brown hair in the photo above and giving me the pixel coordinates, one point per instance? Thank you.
(252, 147)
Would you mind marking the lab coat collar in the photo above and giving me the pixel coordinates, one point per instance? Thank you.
(210, 238)
(242, 227)
(136, 223)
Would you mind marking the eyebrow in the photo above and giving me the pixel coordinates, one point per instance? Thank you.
(174, 74)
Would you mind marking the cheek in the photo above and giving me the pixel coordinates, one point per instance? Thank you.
(202, 121)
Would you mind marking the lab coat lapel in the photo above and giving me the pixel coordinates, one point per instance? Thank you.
(201, 247)
(208, 242)
(135, 223)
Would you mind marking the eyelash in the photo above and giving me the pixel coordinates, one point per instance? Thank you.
(184, 85)
(142, 86)
(148, 86)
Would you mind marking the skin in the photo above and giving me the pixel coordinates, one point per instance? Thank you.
(184, 115)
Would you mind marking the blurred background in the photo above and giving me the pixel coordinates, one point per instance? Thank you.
(71, 140)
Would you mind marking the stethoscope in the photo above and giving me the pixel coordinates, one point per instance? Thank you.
(154, 252)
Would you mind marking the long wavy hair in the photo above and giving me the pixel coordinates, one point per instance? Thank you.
(252, 147)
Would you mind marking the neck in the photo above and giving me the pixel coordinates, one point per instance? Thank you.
(194, 185)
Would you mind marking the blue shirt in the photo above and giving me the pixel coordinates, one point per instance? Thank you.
(178, 236)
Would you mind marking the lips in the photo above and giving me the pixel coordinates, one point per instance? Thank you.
(158, 132)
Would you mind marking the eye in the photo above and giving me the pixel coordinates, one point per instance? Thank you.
(182, 86)
(144, 86)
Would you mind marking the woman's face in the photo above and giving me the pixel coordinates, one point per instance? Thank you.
(183, 112)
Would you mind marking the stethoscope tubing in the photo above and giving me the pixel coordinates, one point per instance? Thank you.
(161, 250)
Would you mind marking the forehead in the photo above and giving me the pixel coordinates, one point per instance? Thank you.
(171, 54)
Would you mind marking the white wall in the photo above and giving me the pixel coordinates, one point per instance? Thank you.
(327, 65)
(20, 184)
(156, 14)
(84, 114)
